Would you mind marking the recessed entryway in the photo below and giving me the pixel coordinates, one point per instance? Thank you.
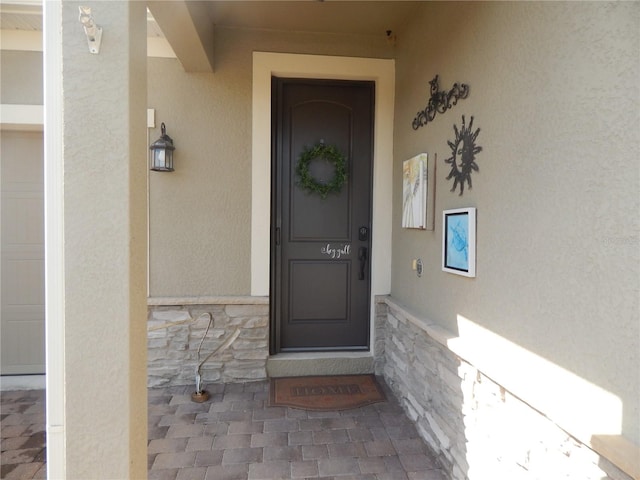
(382, 73)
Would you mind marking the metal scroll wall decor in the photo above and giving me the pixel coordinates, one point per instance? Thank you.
(439, 102)
(463, 155)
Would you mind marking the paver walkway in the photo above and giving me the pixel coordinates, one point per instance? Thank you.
(235, 435)
(22, 432)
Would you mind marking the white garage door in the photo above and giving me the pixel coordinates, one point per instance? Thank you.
(22, 233)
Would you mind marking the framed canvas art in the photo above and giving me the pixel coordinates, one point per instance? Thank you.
(414, 192)
(459, 241)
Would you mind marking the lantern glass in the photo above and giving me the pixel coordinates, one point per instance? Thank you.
(162, 160)
(162, 153)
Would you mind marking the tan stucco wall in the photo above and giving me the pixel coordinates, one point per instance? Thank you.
(20, 77)
(95, 154)
(554, 90)
(200, 215)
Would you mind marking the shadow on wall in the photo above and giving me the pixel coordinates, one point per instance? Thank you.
(482, 429)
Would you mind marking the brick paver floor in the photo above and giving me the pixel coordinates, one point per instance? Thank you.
(22, 432)
(236, 435)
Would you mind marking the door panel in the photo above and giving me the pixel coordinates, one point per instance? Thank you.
(307, 209)
(318, 291)
(320, 288)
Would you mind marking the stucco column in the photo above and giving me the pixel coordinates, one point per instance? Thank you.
(95, 184)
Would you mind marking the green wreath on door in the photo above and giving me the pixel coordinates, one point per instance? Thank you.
(329, 153)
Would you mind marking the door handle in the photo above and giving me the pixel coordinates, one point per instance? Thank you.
(362, 256)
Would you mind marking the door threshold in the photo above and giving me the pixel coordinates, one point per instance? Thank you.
(301, 364)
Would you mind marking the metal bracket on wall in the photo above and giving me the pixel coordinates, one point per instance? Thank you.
(91, 30)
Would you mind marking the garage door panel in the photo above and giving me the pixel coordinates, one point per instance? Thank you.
(22, 266)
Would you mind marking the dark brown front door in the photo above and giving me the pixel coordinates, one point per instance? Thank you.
(320, 280)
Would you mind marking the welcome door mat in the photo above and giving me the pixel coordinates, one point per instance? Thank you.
(325, 393)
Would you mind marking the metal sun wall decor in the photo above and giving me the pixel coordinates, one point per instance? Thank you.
(463, 155)
(439, 102)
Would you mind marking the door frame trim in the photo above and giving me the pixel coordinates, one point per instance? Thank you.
(382, 72)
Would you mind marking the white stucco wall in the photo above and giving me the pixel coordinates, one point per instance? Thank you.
(200, 215)
(554, 89)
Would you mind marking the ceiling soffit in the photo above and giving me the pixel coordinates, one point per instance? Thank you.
(188, 25)
(346, 17)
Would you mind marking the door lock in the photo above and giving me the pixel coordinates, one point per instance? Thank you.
(363, 234)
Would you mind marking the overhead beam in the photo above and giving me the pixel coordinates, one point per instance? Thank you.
(189, 30)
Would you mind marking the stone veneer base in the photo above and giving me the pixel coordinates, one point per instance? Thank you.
(176, 328)
(479, 429)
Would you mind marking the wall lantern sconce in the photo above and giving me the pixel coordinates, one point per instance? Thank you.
(162, 152)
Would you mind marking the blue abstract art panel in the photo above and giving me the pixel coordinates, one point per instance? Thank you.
(459, 241)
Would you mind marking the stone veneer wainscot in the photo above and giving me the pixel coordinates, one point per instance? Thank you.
(176, 327)
(479, 429)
